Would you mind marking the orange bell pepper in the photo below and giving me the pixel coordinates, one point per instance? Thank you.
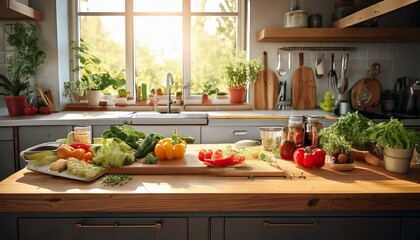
(170, 148)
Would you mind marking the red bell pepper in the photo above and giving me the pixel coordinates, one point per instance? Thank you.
(216, 159)
(309, 157)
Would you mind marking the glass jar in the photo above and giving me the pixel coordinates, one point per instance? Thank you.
(312, 132)
(82, 134)
(295, 127)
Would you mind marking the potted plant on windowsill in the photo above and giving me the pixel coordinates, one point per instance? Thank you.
(21, 65)
(209, 92)
(239, 73)
(94, 77)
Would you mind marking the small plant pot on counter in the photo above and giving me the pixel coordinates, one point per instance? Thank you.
(398, 160)
(121, 101)
(16, 104)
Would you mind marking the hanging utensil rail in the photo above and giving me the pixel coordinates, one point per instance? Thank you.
(316, 48)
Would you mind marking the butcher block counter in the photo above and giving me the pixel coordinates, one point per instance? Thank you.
(365, 203)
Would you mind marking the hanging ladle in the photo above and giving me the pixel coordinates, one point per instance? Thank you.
(344, 81)
(280, 70)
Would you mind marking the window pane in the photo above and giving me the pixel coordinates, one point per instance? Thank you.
(214, 5)
(158, 5)
(105, 37)
(101, 5)
(158, 50)
(220, 34)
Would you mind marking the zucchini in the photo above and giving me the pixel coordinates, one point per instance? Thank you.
(187, 139)
(148, 144)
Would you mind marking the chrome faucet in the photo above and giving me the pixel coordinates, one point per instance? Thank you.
(169, 82)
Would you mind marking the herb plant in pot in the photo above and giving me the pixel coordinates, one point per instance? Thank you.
(21, 65)
(94, 77)
(209, 92)
(239, 73)
(397, 142)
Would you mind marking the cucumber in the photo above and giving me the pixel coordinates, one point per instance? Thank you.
(148, 144)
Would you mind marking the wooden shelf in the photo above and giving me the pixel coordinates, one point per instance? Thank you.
(339, 35)
(14, 10)
(372, 11)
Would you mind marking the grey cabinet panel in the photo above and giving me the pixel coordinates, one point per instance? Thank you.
(7, 160)
(410, 228)
(312, 228)
(6, 133)
(33, 135)
(102, 228)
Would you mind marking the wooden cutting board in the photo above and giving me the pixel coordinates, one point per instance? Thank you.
(266, 88)
(190, 165)
(303, 87)
(366, 93)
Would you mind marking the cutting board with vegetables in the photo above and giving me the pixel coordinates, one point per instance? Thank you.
(303, 87)
(190, 165)
(266, 88)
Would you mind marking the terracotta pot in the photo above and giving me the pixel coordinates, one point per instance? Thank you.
(16, 104)
(237, 94)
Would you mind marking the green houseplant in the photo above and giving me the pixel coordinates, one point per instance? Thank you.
(21, 65)
(239, 72)
(94, 77)
(397, 142)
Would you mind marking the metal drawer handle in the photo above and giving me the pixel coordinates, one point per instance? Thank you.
(239, 132)
(156, 226)
(268, 224)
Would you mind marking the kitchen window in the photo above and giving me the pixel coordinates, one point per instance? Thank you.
(148, 38)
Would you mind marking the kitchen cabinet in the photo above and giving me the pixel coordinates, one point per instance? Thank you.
(233, 130)
(103, 228)
(33, 135)
(7, 163)
(312, 228)
(166, 130)
(410, 228)
(373, 11)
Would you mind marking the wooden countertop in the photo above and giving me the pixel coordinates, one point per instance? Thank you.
(366, 188)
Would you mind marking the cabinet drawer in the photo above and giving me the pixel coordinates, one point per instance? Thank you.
(102, 228)
(228, 134)
(312, 228)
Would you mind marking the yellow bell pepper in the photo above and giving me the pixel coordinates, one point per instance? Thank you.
(170, 148)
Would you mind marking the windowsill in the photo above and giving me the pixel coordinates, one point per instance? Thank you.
(189, 105)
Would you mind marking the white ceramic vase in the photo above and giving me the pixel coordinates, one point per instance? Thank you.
(94, 96)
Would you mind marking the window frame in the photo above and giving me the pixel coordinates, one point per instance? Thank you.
(186, 15)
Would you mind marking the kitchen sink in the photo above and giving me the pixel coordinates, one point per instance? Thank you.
(156, 118)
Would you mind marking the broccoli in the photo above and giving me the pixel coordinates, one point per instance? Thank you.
(150, 158)
(114, 152)
(126, 133)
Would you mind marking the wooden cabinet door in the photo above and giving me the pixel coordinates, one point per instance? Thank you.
(312, 228)
(103, 228)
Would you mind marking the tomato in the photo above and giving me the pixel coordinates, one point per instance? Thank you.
(30, 110)
(319, 155)
(81, 145)
(217, 159)
(218, 154)
(45, 110)
(77, 153)
(286, 149)
(208, 154)
(202, 154)
(309, 157)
